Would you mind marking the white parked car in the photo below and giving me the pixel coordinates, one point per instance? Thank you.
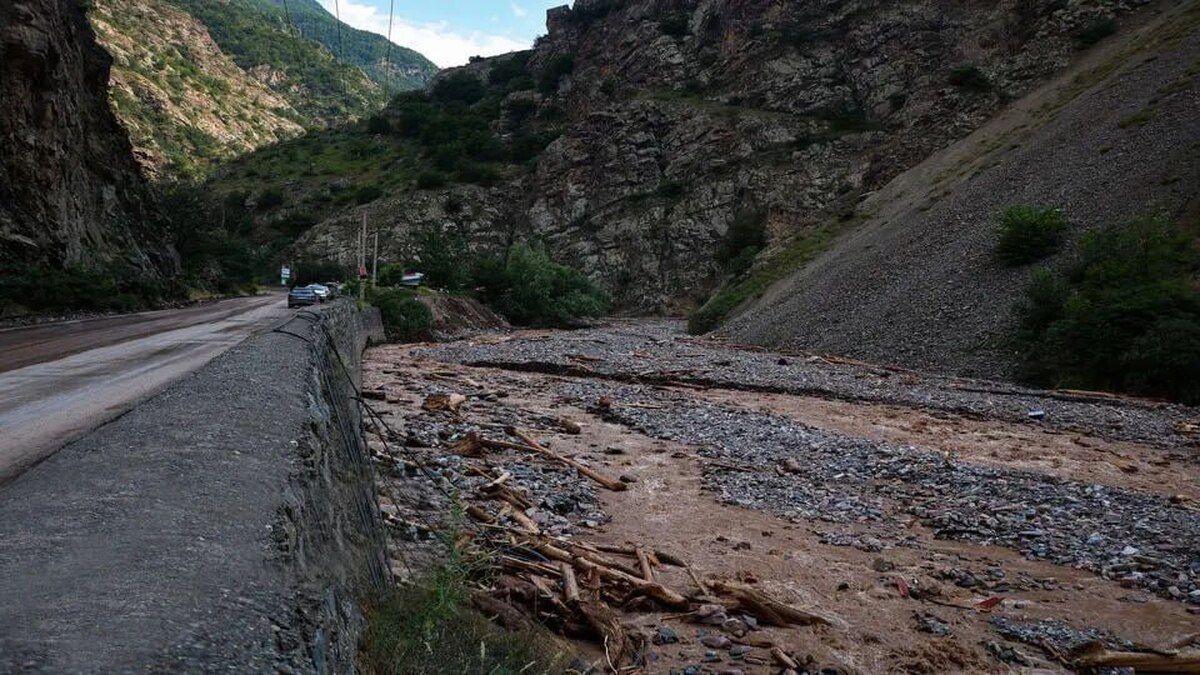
(322, 292)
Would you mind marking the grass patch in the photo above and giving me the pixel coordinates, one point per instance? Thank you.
(791, 256)
(1139, 118)
(429, 627)
(1029, 234)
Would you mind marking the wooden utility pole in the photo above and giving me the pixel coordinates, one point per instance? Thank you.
(375, 263)
(362, 258)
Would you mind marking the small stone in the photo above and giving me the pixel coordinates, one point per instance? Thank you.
(882, 565)
(711, 657)
(739, 651)
(716, 642)
(626, 478)
(1095, 539)
(735, 626)
(1174, 592)
(611, 450)
(665, 635)
(1129, 550)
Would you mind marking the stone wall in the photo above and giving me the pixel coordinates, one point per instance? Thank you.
(227, 524)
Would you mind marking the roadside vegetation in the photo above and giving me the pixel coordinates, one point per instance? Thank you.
(524, 285)
(430, 627)
(34, 289)
(1125, 317)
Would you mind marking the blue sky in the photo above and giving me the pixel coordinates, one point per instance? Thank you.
(451, 31)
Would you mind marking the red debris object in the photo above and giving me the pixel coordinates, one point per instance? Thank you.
(902, 586)
(986, 605)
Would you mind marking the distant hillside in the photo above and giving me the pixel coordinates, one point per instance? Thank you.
(403, 68)
(184, 102)
(198, 81)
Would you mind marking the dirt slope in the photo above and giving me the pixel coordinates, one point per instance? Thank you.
(916, 285)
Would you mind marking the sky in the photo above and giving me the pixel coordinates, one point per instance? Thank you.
(449, 32)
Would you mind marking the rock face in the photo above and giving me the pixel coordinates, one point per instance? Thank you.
(70, 193)
(684, 117)
(918, 284)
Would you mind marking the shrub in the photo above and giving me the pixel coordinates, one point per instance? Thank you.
(1126, 318)
(405, 318)
(971, 78)
(295, 224)
(269, 199)
(367, 193)
(467, 171)
(558, 68)
(675, 25)
(509, 69)
(670, 189)
(531, 289)
(431, 180)
(746, 231)
(1096, 30)
(459, 86)
(442, 256)
(1028, 234)
(378, 124)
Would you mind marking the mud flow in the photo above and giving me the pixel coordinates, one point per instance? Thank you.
(677, 505)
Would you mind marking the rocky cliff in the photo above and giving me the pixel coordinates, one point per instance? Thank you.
(696, 132)
(70, 193)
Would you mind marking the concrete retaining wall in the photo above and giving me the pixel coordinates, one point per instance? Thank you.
(227, 524)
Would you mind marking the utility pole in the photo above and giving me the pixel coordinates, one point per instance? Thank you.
(375, 263)
(362, 259)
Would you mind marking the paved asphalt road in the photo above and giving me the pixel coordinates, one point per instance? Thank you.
(60, 381)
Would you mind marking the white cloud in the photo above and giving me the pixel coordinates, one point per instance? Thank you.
(436, 41)
(518, 11)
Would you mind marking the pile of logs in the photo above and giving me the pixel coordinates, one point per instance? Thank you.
(577, 588)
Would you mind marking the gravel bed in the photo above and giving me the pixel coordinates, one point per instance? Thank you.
(424, 485)
(658, 350)
(1058, 634)
(1142, 540)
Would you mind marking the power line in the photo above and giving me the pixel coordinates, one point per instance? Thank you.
(387, 59)
(337, 14)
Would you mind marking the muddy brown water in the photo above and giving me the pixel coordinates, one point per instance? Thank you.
(876, 629)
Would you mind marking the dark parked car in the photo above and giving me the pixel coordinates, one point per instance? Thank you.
(302, 297)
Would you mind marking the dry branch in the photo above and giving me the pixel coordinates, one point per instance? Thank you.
(644, 561)
(570, 584)
(533, 445)
(768, 609)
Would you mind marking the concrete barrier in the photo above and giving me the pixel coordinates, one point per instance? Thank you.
(227, 524)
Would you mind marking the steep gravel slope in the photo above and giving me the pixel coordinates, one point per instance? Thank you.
(917, 284)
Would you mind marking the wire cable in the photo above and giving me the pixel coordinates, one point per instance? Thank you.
(387, 59)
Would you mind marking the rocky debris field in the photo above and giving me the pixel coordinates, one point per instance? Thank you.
(657, 352)
(919, 552)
